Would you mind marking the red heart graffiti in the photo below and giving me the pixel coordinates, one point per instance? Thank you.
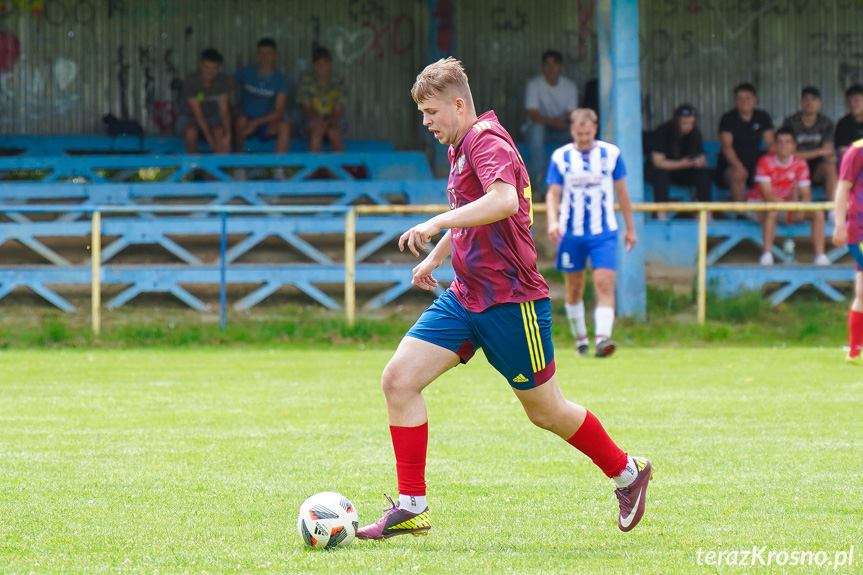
(10, 49)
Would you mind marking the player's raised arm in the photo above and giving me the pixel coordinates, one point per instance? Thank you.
(500, 201)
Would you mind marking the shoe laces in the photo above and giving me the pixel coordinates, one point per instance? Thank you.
(393, 505)
(623, 495)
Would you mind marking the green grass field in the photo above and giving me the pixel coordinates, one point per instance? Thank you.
(196, 461)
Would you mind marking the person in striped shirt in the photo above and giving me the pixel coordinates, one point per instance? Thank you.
(583, 178)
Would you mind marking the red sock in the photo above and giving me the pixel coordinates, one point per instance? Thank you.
(855, 332)
(592, 440)
(411, 445)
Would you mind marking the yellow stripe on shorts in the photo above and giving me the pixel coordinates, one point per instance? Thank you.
(524, 317)
(534, 341)
(541, 357)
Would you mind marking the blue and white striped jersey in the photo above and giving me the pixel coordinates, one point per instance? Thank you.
(587, 179)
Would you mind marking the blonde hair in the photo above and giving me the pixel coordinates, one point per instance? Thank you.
(445, 77)
(583, 116)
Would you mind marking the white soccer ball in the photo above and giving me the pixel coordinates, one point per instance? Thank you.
(328, 519)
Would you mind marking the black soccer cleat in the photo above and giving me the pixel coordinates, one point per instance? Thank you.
(605, 348)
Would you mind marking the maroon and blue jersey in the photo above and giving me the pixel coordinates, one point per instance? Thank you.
(494, 263)
(851, 170)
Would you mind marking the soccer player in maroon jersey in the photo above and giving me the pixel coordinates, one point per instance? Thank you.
(498, 301)
(848, 231)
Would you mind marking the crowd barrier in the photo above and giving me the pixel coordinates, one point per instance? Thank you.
(382, 222)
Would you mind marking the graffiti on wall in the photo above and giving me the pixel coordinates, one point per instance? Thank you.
(442, 29)
(42, 91)
(53, 12)
(738, 18)
(161, 113)
(379, 35)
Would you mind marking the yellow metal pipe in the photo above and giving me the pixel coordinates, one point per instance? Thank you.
(702, 266)
(350, 266)
(96, 264)
(703, 208)
(645, 207)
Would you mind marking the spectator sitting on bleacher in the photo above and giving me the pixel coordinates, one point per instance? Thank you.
(263, 99)
(549, 99)
(741, 134)
(678, 157)
(323, 99)
(850, 126)
(205, 107)
(784, 177)
(813, 134)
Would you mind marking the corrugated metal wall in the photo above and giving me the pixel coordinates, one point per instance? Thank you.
(502, 41)
(697, 51)
(80, 59)
(65, 63)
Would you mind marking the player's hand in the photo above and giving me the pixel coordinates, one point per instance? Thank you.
(741, 173)
(554, 233)
(840, 236)
(700, 161)
(418, 237)
(630, 239)
(422, 274)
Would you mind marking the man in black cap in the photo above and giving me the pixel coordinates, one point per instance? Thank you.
(813, 133)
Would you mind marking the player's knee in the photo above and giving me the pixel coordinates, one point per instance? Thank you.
(545, 415)
(394, 380)
(604, 286)
(541, 418)
(389, 379)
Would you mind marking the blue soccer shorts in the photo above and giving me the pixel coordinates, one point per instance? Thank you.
(855, 251)
(516, 337)
(573, 251)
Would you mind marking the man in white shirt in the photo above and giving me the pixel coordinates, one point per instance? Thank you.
(549, 99)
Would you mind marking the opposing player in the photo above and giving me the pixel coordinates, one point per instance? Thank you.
(849, 231)
(498, 302)
(583, 178)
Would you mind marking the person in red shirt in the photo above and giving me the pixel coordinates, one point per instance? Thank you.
(784, 177)
(498, 302)
(848, 232)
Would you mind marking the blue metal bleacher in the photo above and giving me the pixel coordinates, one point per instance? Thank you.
(50, 174)
(150, 145)
(382, 176)
(346, 178)
(675, 243)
